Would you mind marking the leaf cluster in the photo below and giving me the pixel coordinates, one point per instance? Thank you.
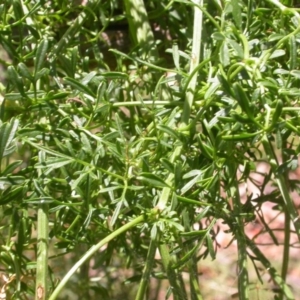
(98, 140)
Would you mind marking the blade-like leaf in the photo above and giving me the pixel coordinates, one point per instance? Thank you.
(54, 163)
(16, 79)
(78, 86)
(152, 180)
(41, 55)
(7, 134)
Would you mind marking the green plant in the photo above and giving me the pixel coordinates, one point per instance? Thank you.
(108, 160)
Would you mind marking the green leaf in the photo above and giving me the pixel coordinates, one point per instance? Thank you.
(187, 256)
(205, 149)
(16, 79)
(18, 10)
(295, 73)
(152, 180)
(74, 59)
(54, 163)
(174, 224)
(225, 84)
(47, 150)
(167, 164)
(293, 53)
(7, 134)
(210, 247)
(289, 91)
(41, 73)
(119, 128)
(236, 47)
(191, 183)
(240, 137)
(176, 55)
(224, 54)
(11, 167)
(115, 75)
(23, 70)
(213, 87)
(9, 48)
(243, 100)
(169, 131)
(198, 233)
(79, 86)
(40, 55)
(11, 194)
(202, 214)
(236, 13)
(33, 31)
(10, 180)
(277, 53)
(85, 80)
(101, 93)
(52, 96)
(277, 112)
(218, 36)
(86, 146)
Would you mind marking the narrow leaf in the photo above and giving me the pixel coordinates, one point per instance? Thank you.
(176, 55)
(41, 73)
(243, 100)
(277, 112)
(7, 134)
(293, 53)
(152, 180)
(16, 79)
(224, 54)
(41, 54)
(210, 247)
(277, 53)
(53, 163)
(169, 131)
(11, 167)
(236, 13)
(78, 86)
(23, 70)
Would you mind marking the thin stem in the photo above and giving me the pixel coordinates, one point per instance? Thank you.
(282, 185)
(94, 249)
(194, 284)
(243, 280)
(287, 226)
(42, 253)
(271, 270)
(179, 292)
(147, 271)
(286, 248)
(196, 52)
(42, 246)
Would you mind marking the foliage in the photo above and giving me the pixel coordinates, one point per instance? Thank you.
(111, 155)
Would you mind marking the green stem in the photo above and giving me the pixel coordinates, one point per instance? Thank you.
(287, 226)
(42, 253)
(286, 248)
(282, 185)
(178, 289)
(196, 52)
(147, 271)
(42, 245)
(94, 249)
(194, 284)
(243, 280)
(271, 270)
